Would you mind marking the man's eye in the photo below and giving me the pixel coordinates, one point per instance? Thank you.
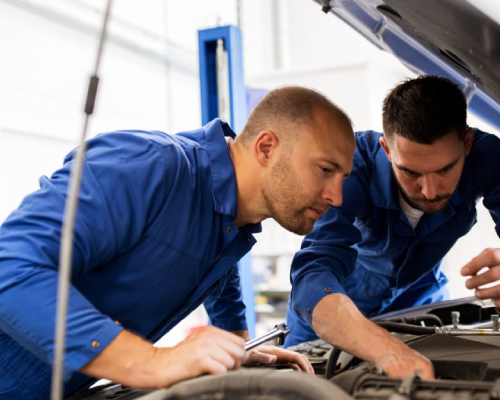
(445, 170)
(410, 173)
(325, 170)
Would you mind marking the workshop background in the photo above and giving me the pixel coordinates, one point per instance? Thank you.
(149, 80)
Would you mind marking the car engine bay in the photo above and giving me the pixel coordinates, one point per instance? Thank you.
(460, 337)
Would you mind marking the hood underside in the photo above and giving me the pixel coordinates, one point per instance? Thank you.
(449, 38)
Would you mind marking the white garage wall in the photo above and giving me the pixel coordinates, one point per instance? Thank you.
(327, 55)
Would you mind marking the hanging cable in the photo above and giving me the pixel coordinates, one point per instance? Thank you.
(65, 254)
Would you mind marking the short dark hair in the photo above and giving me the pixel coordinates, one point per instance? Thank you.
(287, 107)
(425, 109)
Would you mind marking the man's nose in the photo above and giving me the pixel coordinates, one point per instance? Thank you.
(429, 186)
(333, 192)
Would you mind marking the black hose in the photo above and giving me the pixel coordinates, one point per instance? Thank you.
(331, 365)
(406, 328)
(428, 319)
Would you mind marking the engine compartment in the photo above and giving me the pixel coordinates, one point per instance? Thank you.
(465, 354)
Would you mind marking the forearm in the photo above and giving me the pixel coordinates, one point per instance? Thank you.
(132, 361)
(129, 360)
(337, 320)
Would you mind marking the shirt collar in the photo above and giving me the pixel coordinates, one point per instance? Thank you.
(223, 175)
(383, 186)
(225, 192)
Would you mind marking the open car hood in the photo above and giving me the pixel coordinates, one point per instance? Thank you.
(449, 38)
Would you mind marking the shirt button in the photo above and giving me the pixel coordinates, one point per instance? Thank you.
(308, 311)
(118, 323)
(247, 239)
(228, 229)
(199, 283)
(328, 290)
(95, 344)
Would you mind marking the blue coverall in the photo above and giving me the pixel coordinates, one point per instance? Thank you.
(154, 238)
(367, 249)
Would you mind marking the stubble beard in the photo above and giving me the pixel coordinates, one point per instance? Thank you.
(279, 191)
(416, 203)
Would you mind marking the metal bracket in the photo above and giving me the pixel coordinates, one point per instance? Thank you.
(406, 387)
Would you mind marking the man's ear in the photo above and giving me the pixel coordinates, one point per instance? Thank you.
(265, 145)
(383, 143)
(469, 138)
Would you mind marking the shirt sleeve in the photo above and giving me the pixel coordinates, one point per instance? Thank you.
(325, 259)
(485, 172)
(225, 305)
(123, 186)
(327, 255)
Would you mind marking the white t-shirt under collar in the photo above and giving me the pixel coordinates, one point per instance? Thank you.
(412, 214)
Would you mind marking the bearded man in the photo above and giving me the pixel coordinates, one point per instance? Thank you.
(162, 221)
(411, 194)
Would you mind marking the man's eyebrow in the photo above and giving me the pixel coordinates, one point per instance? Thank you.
(450, 165)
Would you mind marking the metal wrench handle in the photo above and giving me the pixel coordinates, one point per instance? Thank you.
(280, 331)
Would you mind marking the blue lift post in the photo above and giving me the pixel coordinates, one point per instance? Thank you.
(237, 111)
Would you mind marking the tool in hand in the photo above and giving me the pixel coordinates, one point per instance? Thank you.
(280, 331)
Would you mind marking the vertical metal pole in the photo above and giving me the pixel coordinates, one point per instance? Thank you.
(238, 13)
(210, 93)
(222, 78)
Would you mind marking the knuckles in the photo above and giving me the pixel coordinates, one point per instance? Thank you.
(495, 256)
(495, 272)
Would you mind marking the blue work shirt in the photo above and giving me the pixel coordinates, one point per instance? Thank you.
(367, 249)
(154, 238)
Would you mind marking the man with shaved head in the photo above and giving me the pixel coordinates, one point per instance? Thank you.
(162, 221)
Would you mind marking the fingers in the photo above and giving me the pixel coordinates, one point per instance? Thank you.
(427, 370)
(488, 293)
(255, 357)
(489, 276)
(216, 361)
(403, 363)
(401, 372)
(214, 350)
(215, 365)
(303, 363)
(295, 367)
(428, 375)
(211, 335)
(487, 258)
(227, 348)
(281, 356)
